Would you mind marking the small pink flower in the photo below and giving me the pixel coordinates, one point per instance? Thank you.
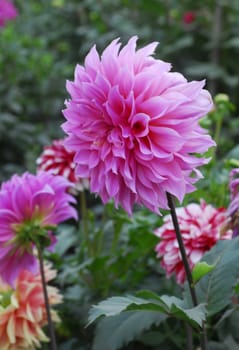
(234, 182)
(29, 204)
(233, 209)
(134, 126)
(189, 17)
(23, 311)
(200, 227)
(57, 160)
(7, 12)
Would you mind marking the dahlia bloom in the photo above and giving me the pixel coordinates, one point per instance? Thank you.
(134, 126)
(200, 226)
(7, 12)
(23, 312)
(57, 160)
(30, 205)
(233, 209)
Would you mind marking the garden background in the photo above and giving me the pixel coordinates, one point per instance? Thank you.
(38, 52)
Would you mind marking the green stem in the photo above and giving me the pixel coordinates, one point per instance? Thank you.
(115, 241)
(47, 305)
(84, 228)
(203, 336)
(84, 217)
(218, 129)
(116, 236)
(217, 136)
(101, 234)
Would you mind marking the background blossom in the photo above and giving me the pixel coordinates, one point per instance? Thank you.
(28, 204)
(134, 126)
(200, 226)
(189, 17)
(233, 209)
(57, 160)
(23, 312)
(7, 12)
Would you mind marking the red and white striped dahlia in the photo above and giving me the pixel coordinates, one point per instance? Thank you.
(57, 160)
(200, 226)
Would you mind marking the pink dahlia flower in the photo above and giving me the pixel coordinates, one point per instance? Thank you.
(200, 226)
(28, 205)
(23, 311)
(57, 160)
(134, 126)
(233, 209)
(7, 12)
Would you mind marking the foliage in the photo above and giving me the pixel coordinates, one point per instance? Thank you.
(217, 288)
(110, 254)
(128, 317)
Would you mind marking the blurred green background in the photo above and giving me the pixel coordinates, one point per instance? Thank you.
(39, 49)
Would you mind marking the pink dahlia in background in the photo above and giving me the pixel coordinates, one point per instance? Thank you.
(134, 126)
(57, 160)
(29, 204)
(23, 311)
(200, 226)
(233, 209)
(7, 12)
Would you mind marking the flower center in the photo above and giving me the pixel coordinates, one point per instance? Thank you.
(140, 124)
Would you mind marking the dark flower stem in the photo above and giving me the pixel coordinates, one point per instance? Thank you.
(189, 336)
(44, 286)
(203, 336)
(182, 248)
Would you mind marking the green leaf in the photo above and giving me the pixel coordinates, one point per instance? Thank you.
(195, 316)
(201, 269)
(148, 294)
(181, 310)
(153, 337)
(109, 307)
(114, 332)
(73, 293)
(217, 346)
(169, 305)
(66, 239)
(236, 288)
(217, 287)
(177, 307)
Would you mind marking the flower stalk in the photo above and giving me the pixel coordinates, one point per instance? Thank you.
(203, 336)
(48, 311)
(83, 208)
